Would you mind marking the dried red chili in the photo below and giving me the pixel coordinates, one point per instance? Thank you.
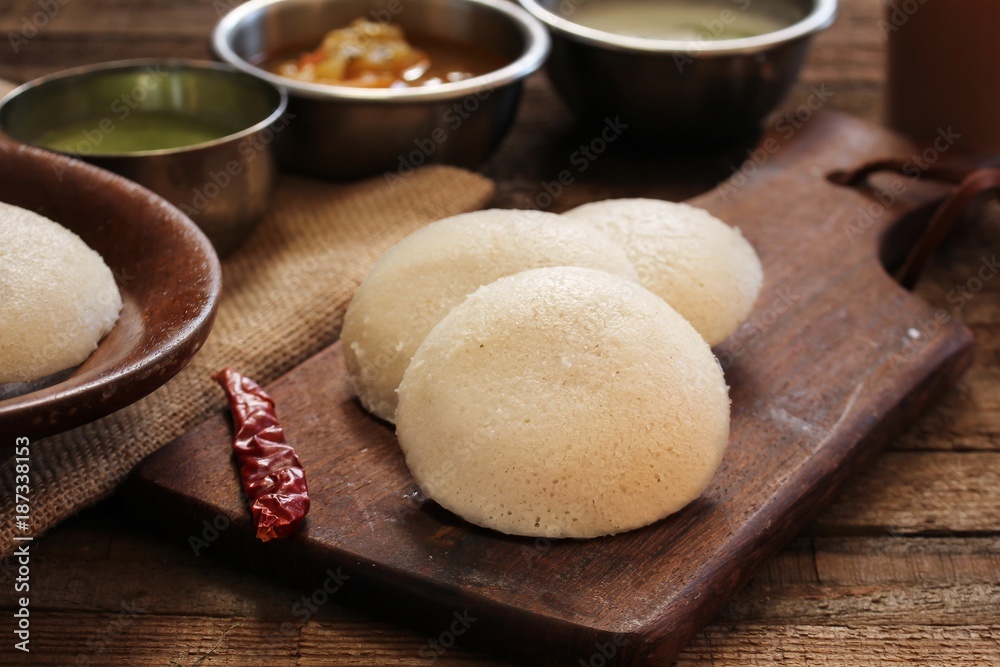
(271, 472)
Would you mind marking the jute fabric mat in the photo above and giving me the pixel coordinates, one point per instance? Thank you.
(284, 295)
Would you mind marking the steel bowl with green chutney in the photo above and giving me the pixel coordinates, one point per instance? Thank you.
(199, 134)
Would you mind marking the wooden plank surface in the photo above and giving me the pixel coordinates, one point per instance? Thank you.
(912, 580)
(814, 391)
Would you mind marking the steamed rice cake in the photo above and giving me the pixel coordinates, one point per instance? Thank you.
(563, 402)
(424, 276)
(57, 297)
(698, 264)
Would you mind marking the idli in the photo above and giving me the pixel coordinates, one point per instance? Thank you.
(425, 275)
(698, 264)
(57, 297)
(563, 402)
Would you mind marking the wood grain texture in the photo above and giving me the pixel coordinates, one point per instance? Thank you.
(825, 370)
(867, 601)
(88, 567)
(928, 496)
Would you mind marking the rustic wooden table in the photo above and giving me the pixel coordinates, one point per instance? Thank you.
(902, 568)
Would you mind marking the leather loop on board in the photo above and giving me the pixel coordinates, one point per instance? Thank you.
(947, 214)
(971, 185)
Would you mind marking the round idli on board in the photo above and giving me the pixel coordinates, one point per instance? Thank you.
(698, 264)
(57, 297)
(563, 402)
(426, 274)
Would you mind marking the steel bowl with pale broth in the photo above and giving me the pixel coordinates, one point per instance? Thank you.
(683, 71)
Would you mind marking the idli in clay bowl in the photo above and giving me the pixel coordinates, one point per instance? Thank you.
(106, 291)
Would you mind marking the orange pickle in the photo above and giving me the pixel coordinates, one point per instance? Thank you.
(369, 54)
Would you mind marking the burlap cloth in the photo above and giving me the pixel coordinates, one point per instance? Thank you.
(284, 296)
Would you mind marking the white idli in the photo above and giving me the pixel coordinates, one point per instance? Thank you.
(698, 264)
(424, 276)
(57, 297)
(563, 402)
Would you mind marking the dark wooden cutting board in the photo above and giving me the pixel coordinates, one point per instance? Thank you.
(835, 359)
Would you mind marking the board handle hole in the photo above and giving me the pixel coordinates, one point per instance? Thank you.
(909, 245)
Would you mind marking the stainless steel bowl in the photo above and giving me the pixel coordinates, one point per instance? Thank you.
(345, 132)
(223, 184)
(691, 92)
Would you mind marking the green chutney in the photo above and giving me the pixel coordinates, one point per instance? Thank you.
(139, 131)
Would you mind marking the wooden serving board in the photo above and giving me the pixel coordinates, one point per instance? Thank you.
(835, 359)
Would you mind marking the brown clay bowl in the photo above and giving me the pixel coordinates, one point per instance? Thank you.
(166, 270)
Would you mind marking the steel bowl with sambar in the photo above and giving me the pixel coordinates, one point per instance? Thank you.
(386, 86)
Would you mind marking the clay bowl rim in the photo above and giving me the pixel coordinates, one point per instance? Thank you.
(150, 246)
